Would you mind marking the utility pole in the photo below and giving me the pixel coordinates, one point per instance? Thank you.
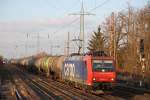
(81, 36)
(82, 28)
(38, 42)
(129, 36)
(68, 43)
(16, 49)
(54, 46)
(112, 36)
(76, 40)
(142, 46)
(26, 45)
(50, 46)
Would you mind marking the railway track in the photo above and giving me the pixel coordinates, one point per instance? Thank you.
(69, 91)
(57, 90)
(128, 92)
(27, 86)
(13, 87)
(136, 89)
(22, 91)
(63, 94)
(6, 85)
(77, 92)
(101, 96)
(64, 91)
(41, 91)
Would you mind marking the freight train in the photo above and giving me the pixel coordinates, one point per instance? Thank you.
(89, 71)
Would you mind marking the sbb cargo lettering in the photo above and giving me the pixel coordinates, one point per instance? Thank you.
(69, 70)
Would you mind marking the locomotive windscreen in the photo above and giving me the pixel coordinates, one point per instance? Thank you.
(103, 65)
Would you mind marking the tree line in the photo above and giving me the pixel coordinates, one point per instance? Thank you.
(121, 34)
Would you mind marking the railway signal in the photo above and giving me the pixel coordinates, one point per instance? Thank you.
(142, 60)
(142, 48)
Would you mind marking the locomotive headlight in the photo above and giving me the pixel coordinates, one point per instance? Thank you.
(103, 70)
(112, 79)
(94, 79)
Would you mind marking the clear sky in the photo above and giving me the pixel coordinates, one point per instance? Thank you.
(21, 17)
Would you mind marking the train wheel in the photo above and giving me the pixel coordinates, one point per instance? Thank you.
(88, 89)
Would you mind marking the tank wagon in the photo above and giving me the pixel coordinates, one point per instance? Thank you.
(50, 65)
(90, 71)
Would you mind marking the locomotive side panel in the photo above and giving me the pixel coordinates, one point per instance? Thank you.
(75, 71)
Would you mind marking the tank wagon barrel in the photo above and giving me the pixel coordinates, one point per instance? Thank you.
(50, 65)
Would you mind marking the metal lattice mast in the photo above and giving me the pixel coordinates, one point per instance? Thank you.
(68, 43)
(82, 28)
(81, 36)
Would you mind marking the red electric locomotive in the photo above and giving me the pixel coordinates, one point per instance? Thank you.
(96, 70)
(102, 69)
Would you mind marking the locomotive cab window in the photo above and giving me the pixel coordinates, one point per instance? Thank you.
(103, 65)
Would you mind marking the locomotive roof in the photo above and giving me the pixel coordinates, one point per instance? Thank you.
(75, 57)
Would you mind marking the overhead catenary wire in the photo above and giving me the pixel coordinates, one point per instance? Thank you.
(75, 20)
(63, 27)
(86, 13)
(100, 5)
(75, 4)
